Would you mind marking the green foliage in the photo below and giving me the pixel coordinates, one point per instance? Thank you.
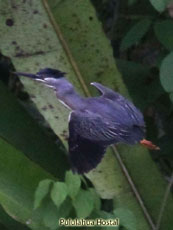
(107, 216)
(83, 204)
(171, 96)
(66, 208)
(135, 33)
(135, 76)
(96, 198)
(59, 193)
(50, 216)
(41, 191)
(127, 218)
(141, 67)
(73, 183)
(166, 73)
(26, 135)
(52, 202)
(159, 5)
(86, 57)
(9, 222)
(65, 196)
(131, 2)
(19, 178)
(164, 33)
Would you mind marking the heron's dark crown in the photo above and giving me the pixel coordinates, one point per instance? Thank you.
(51, 73)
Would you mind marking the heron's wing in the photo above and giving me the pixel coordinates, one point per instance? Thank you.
(133, 112)
(90, 134)
(96, 128)
(85, 154)
(106, 92)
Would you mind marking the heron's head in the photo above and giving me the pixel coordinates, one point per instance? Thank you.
(55, 79)
(48, 72)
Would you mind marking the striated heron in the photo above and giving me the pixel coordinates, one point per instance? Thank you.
(94, 122)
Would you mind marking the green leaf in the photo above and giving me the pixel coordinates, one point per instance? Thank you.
(9, 222)
(171, 96)
(50, 216)
(59, 193)
(135, 34)
(126, 217)
(131, 2)
(73, 183)
(41, 191)
(159, 5)
(83, 204)
(99, 214)
(2, 227)
(96, 198)
(19, 179)
(50, 213)
(166, 73)
(135, 76)
(164, 33)
(65, 208)
(26, 135)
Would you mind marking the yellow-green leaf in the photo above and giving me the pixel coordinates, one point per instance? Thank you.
(41, 191)
(59, 193)
(73, 183)
(83, 204)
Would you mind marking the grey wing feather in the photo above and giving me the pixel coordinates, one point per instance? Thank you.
(94, 127)
(84, 153)
(133, 112)
(89, 136)
(106, 92)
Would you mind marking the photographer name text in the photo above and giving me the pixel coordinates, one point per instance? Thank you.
(88, 222)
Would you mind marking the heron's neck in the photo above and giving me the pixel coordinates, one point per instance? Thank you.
(72, 99)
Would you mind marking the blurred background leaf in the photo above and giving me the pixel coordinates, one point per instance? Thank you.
(166, 71)
(19, 178)
(73, 183)
(135, 34)
(159, 5)
(164, 33)
(24, 133)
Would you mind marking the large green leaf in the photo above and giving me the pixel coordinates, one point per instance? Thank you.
(19, 178)
(51, 216)
(126, 217)
(17, 126)
(11, 224)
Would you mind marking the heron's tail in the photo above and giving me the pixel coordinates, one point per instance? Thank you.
(149, 145)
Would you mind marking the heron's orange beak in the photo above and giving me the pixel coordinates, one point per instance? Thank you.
(149, 144)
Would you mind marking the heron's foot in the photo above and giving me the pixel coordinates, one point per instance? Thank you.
(149, 144)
